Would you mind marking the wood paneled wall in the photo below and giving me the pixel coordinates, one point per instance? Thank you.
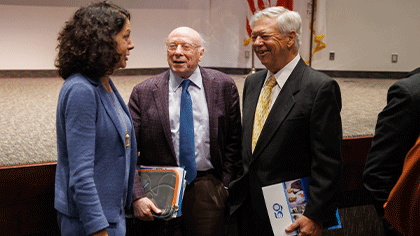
(27, 196)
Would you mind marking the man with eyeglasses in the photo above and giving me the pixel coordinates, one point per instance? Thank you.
(211, 137)
(291, 129)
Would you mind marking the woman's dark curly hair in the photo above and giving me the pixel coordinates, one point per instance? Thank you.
(87, 43)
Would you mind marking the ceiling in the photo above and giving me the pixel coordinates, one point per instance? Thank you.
(133, 4)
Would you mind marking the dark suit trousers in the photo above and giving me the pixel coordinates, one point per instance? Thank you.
(203, 212)
(252, 216)
(249, 222)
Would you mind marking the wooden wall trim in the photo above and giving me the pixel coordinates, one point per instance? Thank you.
(27, 200)
(27, 191)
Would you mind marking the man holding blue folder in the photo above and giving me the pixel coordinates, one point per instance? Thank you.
(188, 116)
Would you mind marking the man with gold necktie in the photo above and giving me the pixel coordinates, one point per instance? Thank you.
(291, 129)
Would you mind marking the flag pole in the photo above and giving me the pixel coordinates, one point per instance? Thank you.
(253, 66)
(312, 30)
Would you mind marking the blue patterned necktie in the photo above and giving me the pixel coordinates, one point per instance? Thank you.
(186, 134)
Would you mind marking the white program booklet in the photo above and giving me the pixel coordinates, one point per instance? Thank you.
(286, 202)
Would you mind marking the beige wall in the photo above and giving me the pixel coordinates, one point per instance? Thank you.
(363, 34)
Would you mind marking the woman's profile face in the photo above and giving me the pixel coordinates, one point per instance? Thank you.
(124, 45)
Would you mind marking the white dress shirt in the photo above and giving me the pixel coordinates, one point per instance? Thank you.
(200, 116)
(281, 78)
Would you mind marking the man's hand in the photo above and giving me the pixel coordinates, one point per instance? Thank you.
(143, 209)
(306, 226)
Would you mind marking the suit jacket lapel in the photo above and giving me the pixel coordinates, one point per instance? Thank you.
(120, 99)
(212, 94)
(110, 108)
(281, 108)
(161, 97)
(253, 89)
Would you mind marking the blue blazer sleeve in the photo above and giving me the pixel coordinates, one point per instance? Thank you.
(76, 126)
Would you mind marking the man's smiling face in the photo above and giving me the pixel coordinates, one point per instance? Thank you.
(184, 62)
(270, 46)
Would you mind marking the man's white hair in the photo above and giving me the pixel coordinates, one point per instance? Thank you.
(286, 21)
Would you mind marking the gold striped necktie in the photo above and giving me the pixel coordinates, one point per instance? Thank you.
(263, 108)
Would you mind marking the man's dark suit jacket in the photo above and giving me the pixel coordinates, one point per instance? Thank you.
(301, 137)
(149, 107)
(397, 129)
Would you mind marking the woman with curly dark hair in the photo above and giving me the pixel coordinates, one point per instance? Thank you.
(96, 144)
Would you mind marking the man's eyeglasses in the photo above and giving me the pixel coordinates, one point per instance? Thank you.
(172, 46)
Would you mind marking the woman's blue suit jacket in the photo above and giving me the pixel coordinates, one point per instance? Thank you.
(91, 165)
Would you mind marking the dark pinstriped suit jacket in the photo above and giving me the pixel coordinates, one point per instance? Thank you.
(150, 112)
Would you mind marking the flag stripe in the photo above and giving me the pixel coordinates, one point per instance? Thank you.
(261, 5)
(285, 3)
(248, 27)
(251, 5)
